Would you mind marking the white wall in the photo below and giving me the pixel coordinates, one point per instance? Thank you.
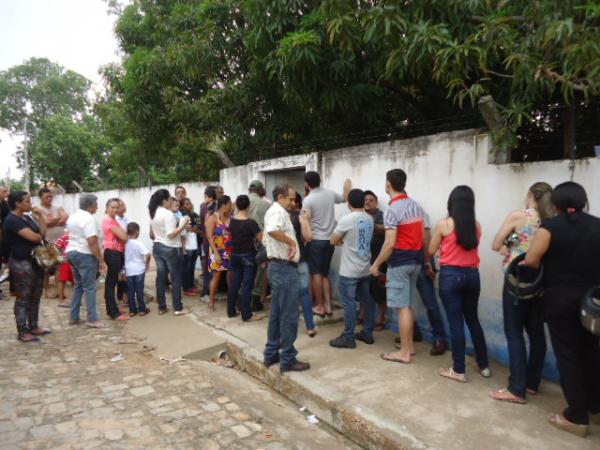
(136, 201)
(435, 165)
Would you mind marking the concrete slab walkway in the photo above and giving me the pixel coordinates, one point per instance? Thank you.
(381, 404)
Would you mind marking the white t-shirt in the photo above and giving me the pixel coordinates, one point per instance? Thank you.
(357, 231)
(163, 224)
(81, 226)
(191, 240)
(135, 257)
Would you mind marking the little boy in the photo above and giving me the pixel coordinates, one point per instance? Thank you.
(137, 260)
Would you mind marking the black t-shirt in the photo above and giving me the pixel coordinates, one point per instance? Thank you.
(20, 248)
(572, 258)
(295, 216)
(243, 233)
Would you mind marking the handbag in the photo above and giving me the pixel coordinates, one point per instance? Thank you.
(47, 256)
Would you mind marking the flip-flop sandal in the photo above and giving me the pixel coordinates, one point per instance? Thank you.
(399, 347)
(318, 314)
(560, 422)
(452, 375)
(504, 395)
(63, 305)
(380, 327)
(397, 360)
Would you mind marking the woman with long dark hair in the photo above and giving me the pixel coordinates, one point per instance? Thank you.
(457, 237)
(512, 240)
(23, 234)
(568, 245)
(167, 250)
(115, 238)
(219, 239)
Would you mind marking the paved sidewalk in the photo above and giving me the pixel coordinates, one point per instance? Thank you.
(65, 393)
(402, 406)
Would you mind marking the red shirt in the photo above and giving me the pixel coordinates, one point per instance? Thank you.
(407, 217)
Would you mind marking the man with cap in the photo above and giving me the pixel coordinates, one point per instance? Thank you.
(257, 211)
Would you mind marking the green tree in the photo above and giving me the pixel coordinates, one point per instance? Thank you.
(38, 89)
(66, 150)
(270, 77)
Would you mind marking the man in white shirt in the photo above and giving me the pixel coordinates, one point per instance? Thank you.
(84, 255)
(279, 239)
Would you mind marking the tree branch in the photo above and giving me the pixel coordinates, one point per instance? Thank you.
(580, 85)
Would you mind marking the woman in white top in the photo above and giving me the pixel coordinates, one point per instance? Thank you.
(167, 250)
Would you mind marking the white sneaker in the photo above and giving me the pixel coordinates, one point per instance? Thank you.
(96, 324)
(183, 312)
(486, 373)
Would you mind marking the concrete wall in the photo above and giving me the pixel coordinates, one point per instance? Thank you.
(436, 164)
(136, 201)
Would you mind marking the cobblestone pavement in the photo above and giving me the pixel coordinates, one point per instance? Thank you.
(65, 393)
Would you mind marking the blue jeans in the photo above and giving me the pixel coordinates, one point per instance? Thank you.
(135, 291)
(459, 291)
(169, 260)
(189, 268)
(305, 299)
(350, 289)
(243, 268)
(519, 316)
(427, 293)
(84, 268)
(284, 315)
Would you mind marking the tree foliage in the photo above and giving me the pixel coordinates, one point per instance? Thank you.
(256, 75)
(38, 89)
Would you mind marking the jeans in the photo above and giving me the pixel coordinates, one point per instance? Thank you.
(283, 320)
(519, 316)
(427, 293)
(85, 268)
(577, 352)
(114, 263)
(28, 282)
(243, 268)
(189, 269)
(135, 291)
(305, 299)
(459, 291)
(169, 260)
(350, 289)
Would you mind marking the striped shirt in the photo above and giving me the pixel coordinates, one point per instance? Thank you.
(408, 218)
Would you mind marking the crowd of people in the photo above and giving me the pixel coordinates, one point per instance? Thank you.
(285, 247)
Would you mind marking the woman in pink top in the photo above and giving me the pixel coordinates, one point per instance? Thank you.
(114, 257)
(457, 237)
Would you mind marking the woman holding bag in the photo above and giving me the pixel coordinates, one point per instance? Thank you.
(523, 315)
(23, 234)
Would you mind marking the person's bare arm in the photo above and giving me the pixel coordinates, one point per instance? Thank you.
(507, 227)
(347, 189)
(39, 217)
(63, 216)
(336, 239)
(538, 248)
(95, 249)
(386, 251)
(210, 226)
(305, 229)
(120, 233)
(182, 224)
(436, 239)
(282, 237)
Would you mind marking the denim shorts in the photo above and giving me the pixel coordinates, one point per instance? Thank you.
(401, 283)
(319, 257)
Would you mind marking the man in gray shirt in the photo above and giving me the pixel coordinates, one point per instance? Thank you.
(354, 232)
(257, 211)
(319, 205)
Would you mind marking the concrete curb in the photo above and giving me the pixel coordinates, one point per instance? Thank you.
(352, 424)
